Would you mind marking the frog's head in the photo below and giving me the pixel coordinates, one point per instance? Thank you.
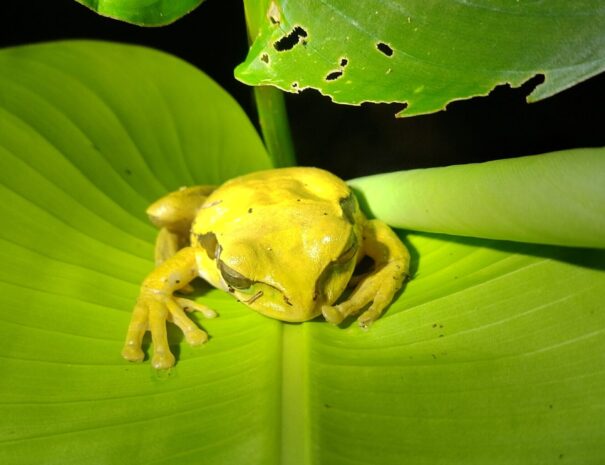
(286, 261)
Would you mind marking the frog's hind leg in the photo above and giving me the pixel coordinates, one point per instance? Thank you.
(173, 215)
(391, 262)
(167, 244)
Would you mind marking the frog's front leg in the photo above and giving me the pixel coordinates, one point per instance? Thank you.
(391, 265)
(156, 305)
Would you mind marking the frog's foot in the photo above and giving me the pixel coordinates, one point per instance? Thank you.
(377, 289)
(151, 312)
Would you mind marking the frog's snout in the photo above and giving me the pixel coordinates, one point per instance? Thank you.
(291, 307)
(302, 307)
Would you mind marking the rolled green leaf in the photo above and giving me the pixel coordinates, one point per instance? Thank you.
(425, 54)
(556, 198)
(143, 12)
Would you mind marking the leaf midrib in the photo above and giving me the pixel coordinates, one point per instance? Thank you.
(295, 427)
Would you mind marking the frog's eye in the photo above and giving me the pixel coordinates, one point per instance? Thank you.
(210, 244)
(335, 269)
(348, 205)
(233, 278)
(348, 254)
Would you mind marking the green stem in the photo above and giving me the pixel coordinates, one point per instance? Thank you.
(274, 125)
(270, 104)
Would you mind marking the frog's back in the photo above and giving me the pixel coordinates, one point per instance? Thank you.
(287, 184)
(272, 191)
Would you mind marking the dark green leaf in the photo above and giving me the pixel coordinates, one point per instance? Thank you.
(425, 53)
(143, 12)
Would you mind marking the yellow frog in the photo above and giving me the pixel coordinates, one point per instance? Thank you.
(285, 242)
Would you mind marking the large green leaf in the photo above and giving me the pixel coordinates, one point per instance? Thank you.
(143, 12)
(494, 353)
(425, 53)
(90, 134)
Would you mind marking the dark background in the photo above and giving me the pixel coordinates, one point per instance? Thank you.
(349, 141)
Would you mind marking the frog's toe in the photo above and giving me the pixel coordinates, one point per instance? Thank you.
(381, 300)
(190, 306)
(196, 337)
(367, 318)
(133, 353)
(162, 360)
(332, 314)
(136, 330)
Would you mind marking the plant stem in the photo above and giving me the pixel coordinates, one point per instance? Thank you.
(273, 119)
(270, 104)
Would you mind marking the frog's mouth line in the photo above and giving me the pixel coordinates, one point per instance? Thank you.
(254, 298)
(260, 293)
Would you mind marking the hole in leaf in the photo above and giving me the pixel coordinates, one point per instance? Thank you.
(273, 14)
(264, 58)
(384, 48)
(344, 62)
(530, 85)
(333, 75)
(295, 84)
(290, 40)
